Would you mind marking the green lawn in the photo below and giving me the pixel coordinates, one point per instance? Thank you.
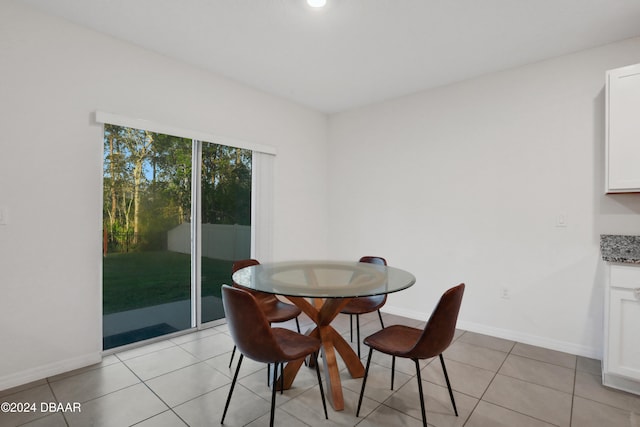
(143, 279)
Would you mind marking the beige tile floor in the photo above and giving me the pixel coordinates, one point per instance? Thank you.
(184, 381)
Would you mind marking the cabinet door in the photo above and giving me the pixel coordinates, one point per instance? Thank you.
(623, 129)
(624, 324)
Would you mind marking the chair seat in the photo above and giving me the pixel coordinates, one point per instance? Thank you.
(294, 345)
(257, 340)
(277, 311)
(396, 340)
(362, 305)
(417, 344)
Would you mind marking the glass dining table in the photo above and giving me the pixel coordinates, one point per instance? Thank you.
(321, 289)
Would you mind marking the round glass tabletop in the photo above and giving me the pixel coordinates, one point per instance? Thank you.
(324, 279)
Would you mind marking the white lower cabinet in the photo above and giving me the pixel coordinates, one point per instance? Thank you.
(621, 362)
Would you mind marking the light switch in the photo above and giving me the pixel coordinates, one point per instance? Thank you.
(561, 220)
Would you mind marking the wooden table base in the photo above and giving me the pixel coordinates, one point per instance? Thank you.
(322, 312)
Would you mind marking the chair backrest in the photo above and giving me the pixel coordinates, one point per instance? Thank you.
(374, 260)
(237, 265)
(441, 326)
(249, 327)
(379, 299)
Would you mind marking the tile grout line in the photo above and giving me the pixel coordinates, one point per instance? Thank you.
(606, 404)
(459, 392)
(490, 382)
(573, 392)
(155, 394)
(238, 384)
(49, 382)
(295, 416)
(184, 367)
(124, 362)
(64, 417)
(411, 377)
(510, 352)
(538, 384)
(379, 404)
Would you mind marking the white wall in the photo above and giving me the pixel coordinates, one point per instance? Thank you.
(464, 184)
(53, 76)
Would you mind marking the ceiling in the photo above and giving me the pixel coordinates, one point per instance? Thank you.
(355, 52)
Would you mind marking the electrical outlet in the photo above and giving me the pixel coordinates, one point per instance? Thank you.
(504, 293)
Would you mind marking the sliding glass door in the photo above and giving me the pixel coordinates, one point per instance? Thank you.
(171, 231)
(225, 224)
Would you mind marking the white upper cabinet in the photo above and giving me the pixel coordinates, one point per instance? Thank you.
(623, 130)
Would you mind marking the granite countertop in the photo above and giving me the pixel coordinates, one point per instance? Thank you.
(616, 248)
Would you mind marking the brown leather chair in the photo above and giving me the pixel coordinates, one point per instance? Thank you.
(275, 310)
(417, 344)
(362, 305)
(255, 339)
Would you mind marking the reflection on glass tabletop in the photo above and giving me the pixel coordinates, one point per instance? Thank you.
(324, 279)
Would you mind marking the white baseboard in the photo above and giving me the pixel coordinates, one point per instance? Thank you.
(411, 314)
(524, 338)
(45, 371)
(621, 383)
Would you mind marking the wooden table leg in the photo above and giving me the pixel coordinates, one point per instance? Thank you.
(290, 372)
(322, 315)
(332, 374)
(350, 358)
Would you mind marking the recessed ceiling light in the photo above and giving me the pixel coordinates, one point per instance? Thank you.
(317, 3)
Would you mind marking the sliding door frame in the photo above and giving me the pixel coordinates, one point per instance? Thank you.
(261, 199)
(196, 238)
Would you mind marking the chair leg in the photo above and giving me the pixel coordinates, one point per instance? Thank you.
(380, 317)
(393, 370)
(424, 416)
(298, 326)
(358, 333)
(273, 392)
(324, 402)
(233, 384)
(281, 378)
(351, 327)
(233, 353)
(364, 380)
(269, 370)
(446, 377)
